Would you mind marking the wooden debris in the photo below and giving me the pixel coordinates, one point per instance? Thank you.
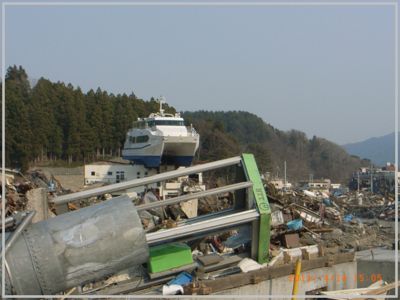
(378, 288)
(208, 260)
(291, 240)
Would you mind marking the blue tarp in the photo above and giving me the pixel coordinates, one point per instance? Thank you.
(295, 224)
(327, 202)
(182, 279)
(337, 192)
(348, 218)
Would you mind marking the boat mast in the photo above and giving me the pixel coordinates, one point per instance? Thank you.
(161, 101)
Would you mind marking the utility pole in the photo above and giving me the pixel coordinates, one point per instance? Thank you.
(372, 180)
(358, 181)
(284, 165)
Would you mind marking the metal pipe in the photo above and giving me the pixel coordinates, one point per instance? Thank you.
(77, 247)
(25, 222)
(8, 279)
(9, 221)
(203, 226)
(147, 180)
(228, 188)
(296, 279)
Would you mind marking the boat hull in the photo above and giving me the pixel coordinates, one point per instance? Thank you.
(150, 161)
(156, 161)
(170, 150)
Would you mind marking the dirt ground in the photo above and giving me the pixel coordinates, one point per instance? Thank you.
(70, 178)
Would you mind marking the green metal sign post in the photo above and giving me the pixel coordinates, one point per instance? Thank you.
(252, 174)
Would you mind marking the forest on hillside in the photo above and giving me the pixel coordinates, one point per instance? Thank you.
(56, 121)
(225, 134)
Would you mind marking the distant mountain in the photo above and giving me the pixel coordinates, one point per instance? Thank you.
(379, 150)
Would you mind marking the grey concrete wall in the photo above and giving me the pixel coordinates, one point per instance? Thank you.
(374, 269)
(376, 264)
(330, 278)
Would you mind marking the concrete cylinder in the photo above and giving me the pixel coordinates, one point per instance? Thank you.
(77, 247)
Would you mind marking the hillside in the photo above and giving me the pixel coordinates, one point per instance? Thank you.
(53, 122)
(247, 132)
(379, 150)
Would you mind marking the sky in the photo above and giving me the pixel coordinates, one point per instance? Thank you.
(324, 70)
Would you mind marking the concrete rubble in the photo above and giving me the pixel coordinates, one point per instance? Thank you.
(341, 220)
(29, 192)
(304, 225)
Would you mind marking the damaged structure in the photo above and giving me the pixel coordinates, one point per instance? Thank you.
(232, 238)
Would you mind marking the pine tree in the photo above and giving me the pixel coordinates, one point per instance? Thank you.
(18, 132)
(122, 121)
(94, 119)
(43, 122)
(106, 115)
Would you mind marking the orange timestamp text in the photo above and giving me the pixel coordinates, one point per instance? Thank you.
(339, 278)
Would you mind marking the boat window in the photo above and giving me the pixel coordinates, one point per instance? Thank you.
(139, 124)
(138, 139)
(170, 122)
(142, 139)
(151, 123)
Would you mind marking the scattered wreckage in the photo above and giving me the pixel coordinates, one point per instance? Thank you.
(199, 242)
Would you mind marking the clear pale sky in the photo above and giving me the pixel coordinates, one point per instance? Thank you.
(325, 70)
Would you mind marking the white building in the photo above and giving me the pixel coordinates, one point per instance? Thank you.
(279, 184)
(114, 172)
(336, 185)
(323, 184)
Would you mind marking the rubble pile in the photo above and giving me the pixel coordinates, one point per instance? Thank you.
(21, 192)
(170, 216)
(350, 221)
(46, 180)
(17, 187)
(304, 225)
(214, 203)
(367, 205)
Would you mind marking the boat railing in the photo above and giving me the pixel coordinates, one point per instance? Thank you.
(191, 131)
(140, 124)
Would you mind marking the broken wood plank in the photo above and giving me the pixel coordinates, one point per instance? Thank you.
(371, 290)
(226, 262)
(207, 260)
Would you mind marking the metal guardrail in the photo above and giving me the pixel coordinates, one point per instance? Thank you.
(179, 199)
(203, 226)
(147, 180)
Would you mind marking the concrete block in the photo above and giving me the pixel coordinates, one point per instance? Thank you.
(37, 200)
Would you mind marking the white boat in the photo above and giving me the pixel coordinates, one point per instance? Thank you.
(161, 138)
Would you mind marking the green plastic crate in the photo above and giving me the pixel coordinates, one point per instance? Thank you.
(169, 256)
